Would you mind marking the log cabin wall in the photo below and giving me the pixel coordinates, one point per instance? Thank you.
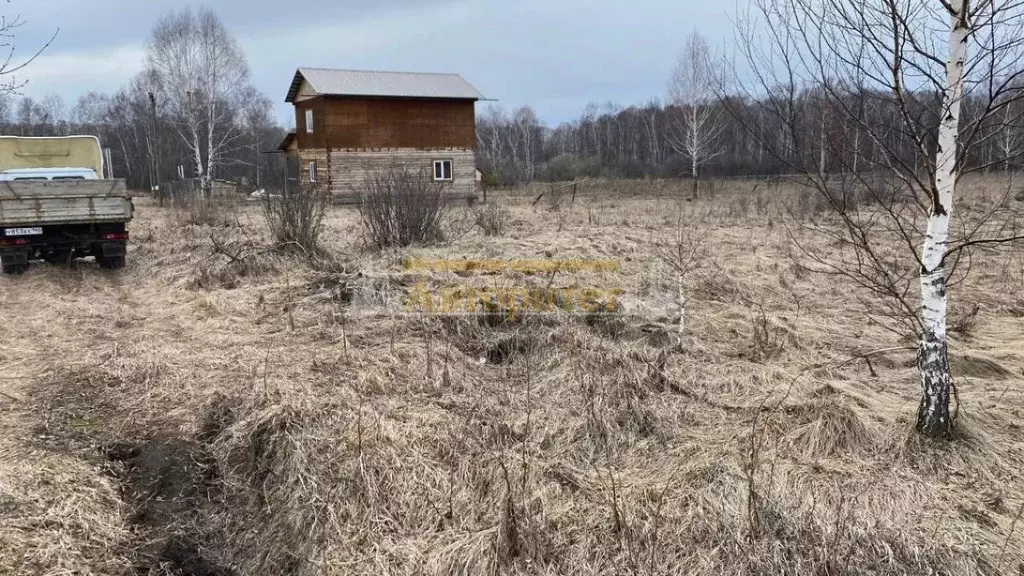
(351, 168)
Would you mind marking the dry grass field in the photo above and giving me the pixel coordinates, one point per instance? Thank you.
(214, 411)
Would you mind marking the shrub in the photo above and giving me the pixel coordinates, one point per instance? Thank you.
(567, 167)
(491, 180)
(297, 218)
(629, 168)
(400, 207)
(198, 210)
(492, 219)
(963, 318)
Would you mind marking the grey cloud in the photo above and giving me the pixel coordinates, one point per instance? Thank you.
(553, 55)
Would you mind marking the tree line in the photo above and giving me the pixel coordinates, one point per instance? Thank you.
(710, 127)
(191, 114)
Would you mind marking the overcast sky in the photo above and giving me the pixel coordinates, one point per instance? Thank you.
(555, 55)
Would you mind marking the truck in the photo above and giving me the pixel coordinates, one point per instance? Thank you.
(57, 204)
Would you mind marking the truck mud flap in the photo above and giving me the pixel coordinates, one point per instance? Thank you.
(111, 249)
(14, 257)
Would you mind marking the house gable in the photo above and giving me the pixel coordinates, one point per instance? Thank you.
(305, 92)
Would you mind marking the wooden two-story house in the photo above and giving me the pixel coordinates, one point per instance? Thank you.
(351, 123)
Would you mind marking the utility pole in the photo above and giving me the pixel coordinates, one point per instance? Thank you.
(154, 152)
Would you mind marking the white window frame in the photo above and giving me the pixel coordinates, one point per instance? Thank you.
(444, 178)
(312, 171)
(309, 121)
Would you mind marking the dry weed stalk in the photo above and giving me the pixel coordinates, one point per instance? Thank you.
(769, 337)
(492, 220)
(192, 207)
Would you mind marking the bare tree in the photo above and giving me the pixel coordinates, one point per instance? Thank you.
(25, 115)
(10, 66)
(202, 77)
(525, 126)
(698, 127)
(257, 124)
(685, 252)
(6, 110)
(1009, 143)
(930, 99)
(56, 114)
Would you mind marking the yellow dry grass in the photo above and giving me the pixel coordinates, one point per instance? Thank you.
(334, 443)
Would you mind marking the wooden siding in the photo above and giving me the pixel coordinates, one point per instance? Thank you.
(323, 166)
(361, 123)
(349, 170)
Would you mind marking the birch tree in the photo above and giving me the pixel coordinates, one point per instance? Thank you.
(685, 252)
(1009, 140)
(698, 127)
(201, 77)
(933, 416)
(258, 124)
(917, 62)
(10, 64)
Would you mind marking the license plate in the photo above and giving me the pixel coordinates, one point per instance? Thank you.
(23, 232)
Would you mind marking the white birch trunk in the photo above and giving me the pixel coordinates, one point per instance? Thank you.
(822, 157)
(856, 150)
(694, 146)
(933, 418)
(210, 152)
(197, 152)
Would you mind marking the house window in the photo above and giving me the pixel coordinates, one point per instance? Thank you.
(312, 171)
(442, 170)
(309, 121)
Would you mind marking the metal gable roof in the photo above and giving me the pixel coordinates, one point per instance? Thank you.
(328, 82)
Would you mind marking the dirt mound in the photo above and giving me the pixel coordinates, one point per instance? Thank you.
(830, 428)
(166, 482)
(977, 367)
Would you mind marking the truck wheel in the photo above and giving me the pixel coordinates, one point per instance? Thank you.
(111, 262)
(15, 269)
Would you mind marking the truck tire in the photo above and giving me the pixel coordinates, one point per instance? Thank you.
(15, 269)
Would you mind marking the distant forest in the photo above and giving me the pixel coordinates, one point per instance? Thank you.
(513, 148)
(646, 140)
(226, 130)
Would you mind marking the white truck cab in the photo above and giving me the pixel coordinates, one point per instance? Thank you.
(16, 174)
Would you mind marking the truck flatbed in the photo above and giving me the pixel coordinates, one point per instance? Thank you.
(44, 203)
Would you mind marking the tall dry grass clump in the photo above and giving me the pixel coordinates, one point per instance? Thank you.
(192, 208)
(492, 220)
(296, 219)
(401, 207)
